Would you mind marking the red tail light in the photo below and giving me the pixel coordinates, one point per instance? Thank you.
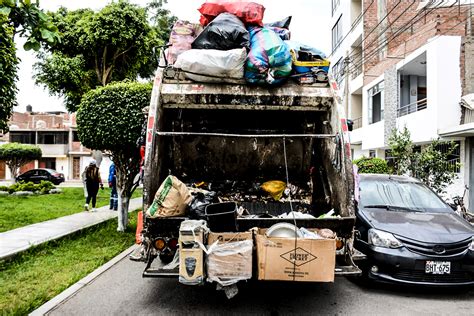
(173, 243)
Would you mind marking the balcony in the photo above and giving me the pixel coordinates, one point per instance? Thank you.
(467, 116)
(53, 150)
(356, 123)
(412, 107)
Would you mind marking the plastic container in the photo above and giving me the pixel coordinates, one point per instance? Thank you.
(222, 217)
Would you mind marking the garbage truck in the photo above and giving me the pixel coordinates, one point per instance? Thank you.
(231, 138)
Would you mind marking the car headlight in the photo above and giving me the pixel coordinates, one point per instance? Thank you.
(383, 239)
(471, 246)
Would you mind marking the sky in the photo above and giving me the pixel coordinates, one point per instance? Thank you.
(310, 25)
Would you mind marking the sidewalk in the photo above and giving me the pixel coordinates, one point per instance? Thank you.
(23, 238)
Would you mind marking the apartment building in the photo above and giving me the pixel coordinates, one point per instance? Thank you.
(409, 63)
(56, 134)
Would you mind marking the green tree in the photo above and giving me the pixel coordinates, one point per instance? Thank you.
(431, 164)
(110, 119)
(97, 48)
(371, 165)
(16, 155)
(24, 18)
(401, 150)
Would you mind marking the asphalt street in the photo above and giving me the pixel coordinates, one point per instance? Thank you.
(122, 291)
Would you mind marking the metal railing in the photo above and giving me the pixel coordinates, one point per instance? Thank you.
(412, 107)
(468, 116)
(356, 123)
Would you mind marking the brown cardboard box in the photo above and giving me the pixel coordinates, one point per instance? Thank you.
(310, 260)
(228, 263)
(228, 237)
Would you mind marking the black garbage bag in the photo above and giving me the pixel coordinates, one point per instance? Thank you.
(199, 203)
(225, 32)
(284, 24)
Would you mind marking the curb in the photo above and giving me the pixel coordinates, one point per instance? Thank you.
(76, 287)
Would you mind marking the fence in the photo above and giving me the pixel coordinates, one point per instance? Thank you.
(412, 107)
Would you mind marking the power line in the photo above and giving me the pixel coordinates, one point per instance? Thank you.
(372, 53)
(367, 56)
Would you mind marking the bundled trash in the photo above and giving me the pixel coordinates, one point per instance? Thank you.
(182, 36)
(171, 199)
(269, 59)
(225, 32)
(212, 55)
(210, 65)
(248, 12)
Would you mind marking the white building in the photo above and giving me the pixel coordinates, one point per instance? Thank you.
(407, 67)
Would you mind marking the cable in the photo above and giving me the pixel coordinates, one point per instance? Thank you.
(368, 55)
(364, 58)
(372, 53)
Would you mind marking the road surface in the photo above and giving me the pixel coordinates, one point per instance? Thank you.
(122, 291)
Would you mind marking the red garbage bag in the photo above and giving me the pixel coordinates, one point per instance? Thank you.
(248, 12)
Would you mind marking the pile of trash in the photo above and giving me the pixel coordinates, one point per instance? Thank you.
(232, 44)
(211, 247)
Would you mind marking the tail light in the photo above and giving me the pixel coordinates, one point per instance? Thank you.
(159, 244)
(339, 244)
(173, 243)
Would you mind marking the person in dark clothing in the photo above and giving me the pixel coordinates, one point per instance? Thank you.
(93, 181)
(113, 186)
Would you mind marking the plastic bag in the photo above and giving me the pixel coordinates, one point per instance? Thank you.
(269, 59)
(199, 203)
(182, 36)
(282, 28)
(275, 188)
(171, 199)
(224, 33)
(229, 263)
(248, 12)
(210, 65)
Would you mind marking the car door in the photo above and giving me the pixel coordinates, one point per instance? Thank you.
(43, 175)
(27, 176)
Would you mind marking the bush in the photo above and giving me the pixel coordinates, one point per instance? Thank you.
(43, 187)
(3, 188)
(372, 165)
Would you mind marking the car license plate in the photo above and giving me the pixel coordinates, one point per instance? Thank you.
(438, 267)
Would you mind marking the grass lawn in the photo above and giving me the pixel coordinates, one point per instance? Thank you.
(19, 211)
(36, 276)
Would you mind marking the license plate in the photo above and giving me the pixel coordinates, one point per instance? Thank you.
(438, 267)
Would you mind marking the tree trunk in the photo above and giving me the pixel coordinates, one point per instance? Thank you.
(123, 202)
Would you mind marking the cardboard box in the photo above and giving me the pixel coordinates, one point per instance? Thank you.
(228, 237)
(228, 263)
(309, 260)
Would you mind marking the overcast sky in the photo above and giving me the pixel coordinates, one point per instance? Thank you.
(310, 25)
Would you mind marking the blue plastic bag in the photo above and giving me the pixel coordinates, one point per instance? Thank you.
(269, 59)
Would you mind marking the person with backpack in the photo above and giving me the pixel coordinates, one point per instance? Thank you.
(113, 185)
(93, 181)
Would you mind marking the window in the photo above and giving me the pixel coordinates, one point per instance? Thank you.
(47, 163)
(454, 158)
(338, 70)
(334, 5)
(52, 138)
(337, 34)
(372, 153)
(75, 136)
(22, 137)
(376, 100)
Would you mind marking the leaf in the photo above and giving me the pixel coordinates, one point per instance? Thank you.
(5, 11)
(32, 44)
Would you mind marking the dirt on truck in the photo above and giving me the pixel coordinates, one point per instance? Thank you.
(270, 180)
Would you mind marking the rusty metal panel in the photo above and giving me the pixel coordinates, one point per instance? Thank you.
(290, 95)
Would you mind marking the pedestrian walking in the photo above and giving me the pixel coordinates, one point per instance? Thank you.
(113, 185)
(93, 181)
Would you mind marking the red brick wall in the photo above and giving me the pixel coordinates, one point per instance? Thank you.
(442, 21)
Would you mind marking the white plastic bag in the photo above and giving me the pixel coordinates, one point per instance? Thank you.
(229, 263)
(210, 65)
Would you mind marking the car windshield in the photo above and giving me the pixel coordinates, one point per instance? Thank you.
(396, 195)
